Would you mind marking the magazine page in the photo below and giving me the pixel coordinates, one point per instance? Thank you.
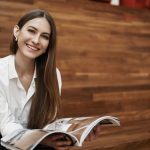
(73, 126)
(72, 138)
(9, 146)
(77, 129)
(14, 135)
(24, 140)
(59, 125)
(8, 140)
(81, 126)
(69, 124)
(105, 120)
(29, 138)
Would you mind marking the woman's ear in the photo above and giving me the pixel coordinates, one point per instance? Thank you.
(16, 32)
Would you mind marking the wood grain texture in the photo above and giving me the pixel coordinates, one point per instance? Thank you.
(103, 54)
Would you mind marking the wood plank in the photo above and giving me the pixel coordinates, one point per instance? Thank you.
(103, 55)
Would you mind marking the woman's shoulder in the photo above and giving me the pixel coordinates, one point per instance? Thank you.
(5, 60)
(4, 66)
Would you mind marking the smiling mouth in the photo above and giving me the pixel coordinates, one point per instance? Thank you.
(32, 47)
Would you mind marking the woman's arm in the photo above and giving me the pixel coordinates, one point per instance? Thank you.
(57, 141)
(7, 119)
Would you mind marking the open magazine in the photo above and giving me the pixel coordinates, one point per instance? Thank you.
(77, 129)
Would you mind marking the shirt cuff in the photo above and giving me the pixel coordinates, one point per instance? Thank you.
(10, 128)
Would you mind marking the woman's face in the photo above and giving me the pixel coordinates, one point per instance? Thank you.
(33, 37)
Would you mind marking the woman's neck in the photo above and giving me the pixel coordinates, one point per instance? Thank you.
(24, 65)
(25, 70)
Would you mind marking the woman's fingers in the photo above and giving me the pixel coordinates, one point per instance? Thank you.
(97, 130)
(94, 133)
(62, 143)
(59, 142)
(56, 137)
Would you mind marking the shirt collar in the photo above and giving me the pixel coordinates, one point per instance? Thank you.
(12, 69)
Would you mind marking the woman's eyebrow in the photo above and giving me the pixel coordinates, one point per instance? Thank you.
(37, 30)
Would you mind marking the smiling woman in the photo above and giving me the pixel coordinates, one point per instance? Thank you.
(33, 39)
(30, 83)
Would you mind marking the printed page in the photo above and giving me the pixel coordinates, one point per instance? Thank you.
(59, 125)
(104, 120)
(29, 138)
(79, 125)
(74, 126)
(13, 136)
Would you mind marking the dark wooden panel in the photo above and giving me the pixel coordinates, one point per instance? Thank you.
(20, 1)
(103, 55)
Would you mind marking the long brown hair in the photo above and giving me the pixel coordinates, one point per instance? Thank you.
(45, 101)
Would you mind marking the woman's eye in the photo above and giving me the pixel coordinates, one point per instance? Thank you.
(30, 30)
(45, 37)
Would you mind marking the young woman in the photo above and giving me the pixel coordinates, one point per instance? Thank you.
(30, 83)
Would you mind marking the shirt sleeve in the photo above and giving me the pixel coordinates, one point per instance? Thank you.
(7, 119)
(59, 80)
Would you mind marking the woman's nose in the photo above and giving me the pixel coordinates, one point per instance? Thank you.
(36, 39)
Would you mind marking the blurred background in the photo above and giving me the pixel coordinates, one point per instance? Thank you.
(103, 53)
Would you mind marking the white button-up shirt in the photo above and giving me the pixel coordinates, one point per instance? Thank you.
(14, 101)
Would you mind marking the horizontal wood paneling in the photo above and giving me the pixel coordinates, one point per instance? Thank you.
(103, 55)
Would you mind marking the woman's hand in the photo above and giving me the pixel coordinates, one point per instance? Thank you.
(57, 141)
(94, 133)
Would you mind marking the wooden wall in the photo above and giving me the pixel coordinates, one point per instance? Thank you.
(103, 54)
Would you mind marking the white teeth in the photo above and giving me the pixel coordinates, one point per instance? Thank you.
(33, 48)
